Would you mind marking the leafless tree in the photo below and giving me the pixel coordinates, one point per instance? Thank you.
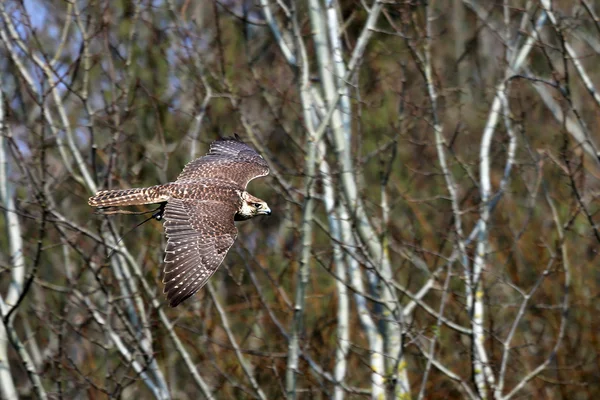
(434, 171)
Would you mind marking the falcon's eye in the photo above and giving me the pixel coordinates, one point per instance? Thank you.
(257, 205)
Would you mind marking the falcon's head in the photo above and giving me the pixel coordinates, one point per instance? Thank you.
(251, 207)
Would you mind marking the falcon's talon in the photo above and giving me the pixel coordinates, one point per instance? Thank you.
(199, 210)
(160, 212)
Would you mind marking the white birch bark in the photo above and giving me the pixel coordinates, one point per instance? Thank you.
(310, 176)
(396, 367)
(7, 384)
(483, 372)
(343, 307)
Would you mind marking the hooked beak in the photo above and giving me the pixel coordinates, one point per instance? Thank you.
(265, 210)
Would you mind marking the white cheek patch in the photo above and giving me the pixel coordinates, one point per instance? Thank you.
(247, 209)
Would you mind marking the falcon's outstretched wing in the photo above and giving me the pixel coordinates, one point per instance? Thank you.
(229, 159)
(199, 235)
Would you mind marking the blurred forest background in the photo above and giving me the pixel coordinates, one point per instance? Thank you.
(434, 185)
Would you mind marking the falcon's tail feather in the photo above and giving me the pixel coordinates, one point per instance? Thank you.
(129, 197)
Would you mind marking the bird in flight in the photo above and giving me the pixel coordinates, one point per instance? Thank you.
(201, 207)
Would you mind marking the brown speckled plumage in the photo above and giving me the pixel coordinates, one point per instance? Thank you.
(202, 204)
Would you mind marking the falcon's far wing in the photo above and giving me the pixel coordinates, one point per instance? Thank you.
(199, 235)
(229, 159)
